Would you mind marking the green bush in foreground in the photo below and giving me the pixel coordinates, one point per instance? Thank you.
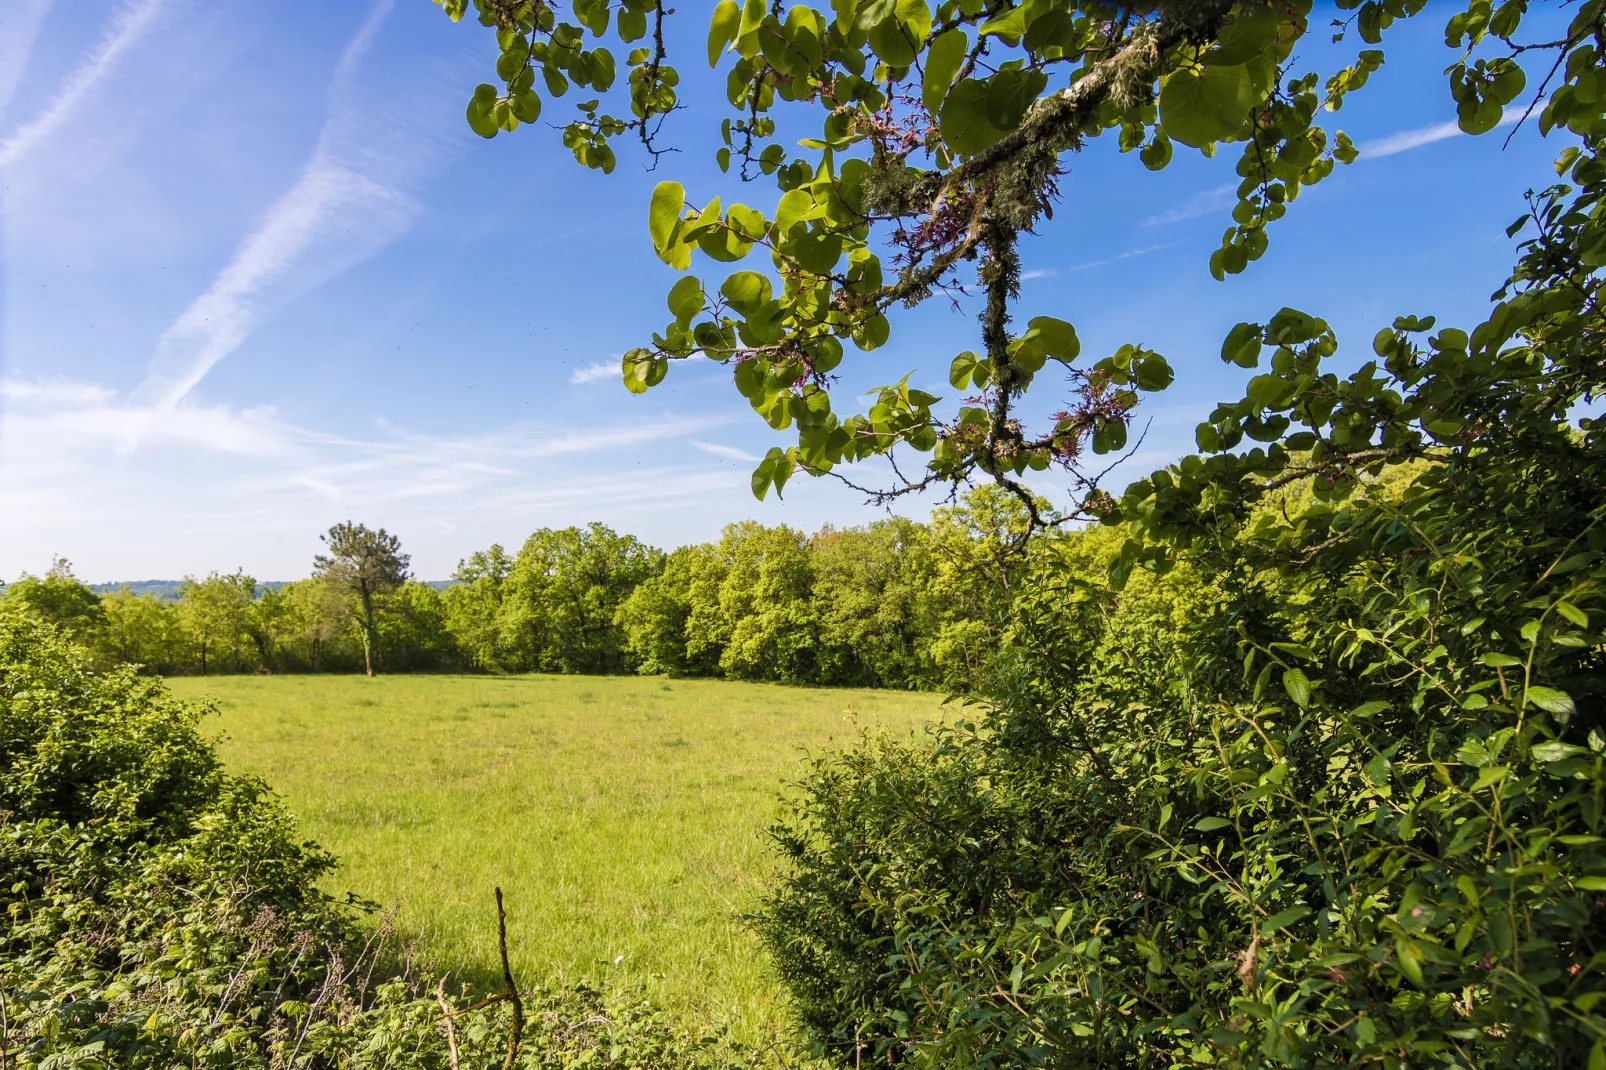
(160, 912)
(1323, 783)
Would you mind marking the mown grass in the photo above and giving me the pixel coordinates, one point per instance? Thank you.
(623, 817)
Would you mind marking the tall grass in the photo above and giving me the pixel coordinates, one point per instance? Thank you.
(624, 817)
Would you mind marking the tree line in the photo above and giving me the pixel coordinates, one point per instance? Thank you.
(896, 603)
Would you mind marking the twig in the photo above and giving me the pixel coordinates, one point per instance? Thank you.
(515, 1033)
(451, 1031)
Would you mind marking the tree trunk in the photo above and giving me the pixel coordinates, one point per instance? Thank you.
(367, 630)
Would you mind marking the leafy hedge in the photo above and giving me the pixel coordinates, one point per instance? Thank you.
(161, 912)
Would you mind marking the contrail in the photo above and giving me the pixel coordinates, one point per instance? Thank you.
(127, 28)
(332, 218)
(1406, 140)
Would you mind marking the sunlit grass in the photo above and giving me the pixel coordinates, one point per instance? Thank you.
(623, 817)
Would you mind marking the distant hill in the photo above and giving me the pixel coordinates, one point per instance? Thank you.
(168, 590)
(164, 590)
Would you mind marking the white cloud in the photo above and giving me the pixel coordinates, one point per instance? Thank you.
(1128, 255)
(1201, 203)
(590, 373)
(125, 29)
(128, 488)
(350, 201)
(1406, 140)
(729, 453)
(1036, 273)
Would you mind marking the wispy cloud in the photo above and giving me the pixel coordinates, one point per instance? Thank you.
(1036, 273)
(1406, 140)
(218, 479)
(1201, 203)
(349, 202)
(126, 28)
(590, 373)
(1212, 200)
(729, 453)
(1128, 255)
(19, 28)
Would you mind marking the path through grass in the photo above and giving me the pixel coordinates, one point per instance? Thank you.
(623, 817)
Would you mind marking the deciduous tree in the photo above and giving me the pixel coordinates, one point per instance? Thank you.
(936, 141)
(217, 612)
(60, 598)
(563, 593)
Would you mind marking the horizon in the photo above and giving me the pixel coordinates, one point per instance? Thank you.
(237, 308)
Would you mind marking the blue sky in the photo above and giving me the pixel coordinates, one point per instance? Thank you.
(257, 276)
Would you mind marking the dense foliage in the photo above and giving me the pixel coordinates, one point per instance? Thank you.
(228, 623)
(896, 603)
(1309, 770)
(161, 912)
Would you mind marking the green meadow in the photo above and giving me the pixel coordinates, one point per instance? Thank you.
(623, 817)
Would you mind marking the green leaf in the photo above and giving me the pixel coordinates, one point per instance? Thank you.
(964, 122)
(1551, 701)
(753, 13)
(1591, 884)
(1242, 346)
(726, 244)
(1409, 956)
(1573, 613)
(685, 299)
(1252, 32)
(774, 470)
(642, 370)
(1010, 25)
(1152, 372)
(943, 60)
(526, 106)
(723, 28)
(1157, 153)
(746, 291)
(1297, 684)
(793, 208)
(962, 369)
(479, 110)
(663, 216)
(872, 333)
(1207, 104)
(893, 42)
(1556, 751)
(1210, 824)
(1285, 918)
(1010, 94)
(1053, 337)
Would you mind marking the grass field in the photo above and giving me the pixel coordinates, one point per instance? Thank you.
(623, 817)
